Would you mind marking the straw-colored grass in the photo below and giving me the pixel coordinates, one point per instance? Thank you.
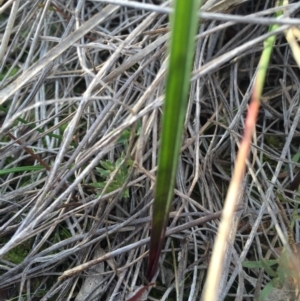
(82, 86)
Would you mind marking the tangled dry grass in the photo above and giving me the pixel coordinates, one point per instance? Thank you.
(82, 82)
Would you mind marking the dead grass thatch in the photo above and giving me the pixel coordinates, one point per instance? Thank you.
(82, 84)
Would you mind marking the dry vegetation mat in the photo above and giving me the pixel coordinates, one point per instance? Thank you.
(81, 91)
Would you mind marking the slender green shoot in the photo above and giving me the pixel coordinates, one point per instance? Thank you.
(219, 250)
(184, 25)
(21, 169)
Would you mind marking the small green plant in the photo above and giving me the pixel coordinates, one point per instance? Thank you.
(116, 181)
(18, 254)
(12, 73)
(114, 174)
(281, 278)
(267, 265)
(126, 134)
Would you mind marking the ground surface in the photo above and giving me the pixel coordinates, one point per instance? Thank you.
(81, 88)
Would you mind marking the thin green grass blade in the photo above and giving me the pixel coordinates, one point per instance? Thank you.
(21, 169)
(265, 60)
(259, 264)
(184, 25)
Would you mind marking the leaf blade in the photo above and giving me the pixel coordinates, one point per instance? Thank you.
(181, 54)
